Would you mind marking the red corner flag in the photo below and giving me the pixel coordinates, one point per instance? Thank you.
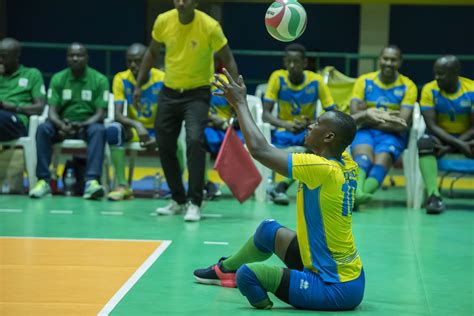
(236, 168)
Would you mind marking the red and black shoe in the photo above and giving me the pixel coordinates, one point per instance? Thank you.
(216, 275)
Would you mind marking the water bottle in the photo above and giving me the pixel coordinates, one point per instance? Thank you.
(156, 186)
(69, 182)
(6, 186)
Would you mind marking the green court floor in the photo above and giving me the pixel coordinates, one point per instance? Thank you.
(415, 264)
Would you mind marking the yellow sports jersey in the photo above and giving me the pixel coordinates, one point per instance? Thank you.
(190, 48)
(453, 111)
(376, 94)
(296, 101)
(219, 105)
(123, 86)
(324, 202)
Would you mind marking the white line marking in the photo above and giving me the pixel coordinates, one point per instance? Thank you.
(134, 278)
(153, 214)
(10, 210)
(211, 215)
(111, 213)
(216, 243)
(72, 238)
(61, 212)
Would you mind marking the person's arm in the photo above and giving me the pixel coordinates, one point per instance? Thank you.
(97, 117)
(225, 54)
(61, 125)
(35, 108)
(268, 117)
(399, 124)
(148, 61)
(469, 134)
(235, 92)
(430, 119)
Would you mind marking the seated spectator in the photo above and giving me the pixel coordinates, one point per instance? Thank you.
(78, 98)
(378, 145)
(22, 92)
(447, 105)
(138, 124)
(296, 91)
(220, 115)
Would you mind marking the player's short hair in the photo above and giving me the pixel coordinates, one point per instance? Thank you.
(346, 128)
(392, 46)
(453, 62)
(295, 47)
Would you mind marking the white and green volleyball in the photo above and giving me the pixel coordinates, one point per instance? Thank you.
(285, 20)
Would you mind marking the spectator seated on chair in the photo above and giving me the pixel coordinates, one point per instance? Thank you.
(378, 145)
(22, 92)
(137, 125)
(220, 115)
(77, 98)
(447, 105)
(296, 91)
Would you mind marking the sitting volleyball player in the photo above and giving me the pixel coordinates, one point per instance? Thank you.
(296, 91)
(138, 123)
(377, 146)
(447, 105)
(324, 270)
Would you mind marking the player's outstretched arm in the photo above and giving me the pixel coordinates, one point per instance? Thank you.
(236, 94)
(149, 59)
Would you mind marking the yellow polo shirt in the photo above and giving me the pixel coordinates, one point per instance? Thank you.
(190, 48)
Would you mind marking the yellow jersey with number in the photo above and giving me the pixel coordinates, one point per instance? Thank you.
(325, 199)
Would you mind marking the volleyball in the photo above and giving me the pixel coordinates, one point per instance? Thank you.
(285, 20)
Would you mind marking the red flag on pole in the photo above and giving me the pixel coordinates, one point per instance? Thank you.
(236, 168)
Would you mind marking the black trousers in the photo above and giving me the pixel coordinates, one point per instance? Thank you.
(10, 126)
(192, 106)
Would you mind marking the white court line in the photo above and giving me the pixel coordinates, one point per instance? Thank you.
(111, 213)
(134, 278)
(216, 243)
(211, 215)
(153, 214)
(61, 212)
(10, 210)
(73, 238)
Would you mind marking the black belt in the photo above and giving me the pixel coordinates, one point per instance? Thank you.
(185, 91)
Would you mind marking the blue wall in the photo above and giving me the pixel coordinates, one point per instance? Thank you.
(434, 30)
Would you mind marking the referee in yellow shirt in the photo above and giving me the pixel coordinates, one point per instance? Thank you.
(191, 38)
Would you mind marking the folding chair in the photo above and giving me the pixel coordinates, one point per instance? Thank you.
(29, 147)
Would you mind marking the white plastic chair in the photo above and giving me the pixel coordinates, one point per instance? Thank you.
(81, 144)
(29, 147)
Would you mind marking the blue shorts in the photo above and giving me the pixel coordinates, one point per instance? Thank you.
(283, 139)
(381, 142)
(308, 291)
(215, 137)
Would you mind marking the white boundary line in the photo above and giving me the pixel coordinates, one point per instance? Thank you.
(216, 243)
(211, 215)
(72, 238)
(61, 212)
(10, 210)
(116, 213)
(134, 278)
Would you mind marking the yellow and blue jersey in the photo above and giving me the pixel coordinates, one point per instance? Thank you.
(325, 199)
(453, 111)
(123, 86)
(296, 101)
(219, 105)
(400, 94)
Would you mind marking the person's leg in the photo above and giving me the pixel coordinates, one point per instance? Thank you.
(388, 148)
(428, 164)
(196, 111)
(169, 117)
(46, 136)
(429, 172)
(115, 138)
(11, 126)
(95, 137)
(363, 153)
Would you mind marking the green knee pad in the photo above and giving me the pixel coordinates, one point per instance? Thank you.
(269, 276)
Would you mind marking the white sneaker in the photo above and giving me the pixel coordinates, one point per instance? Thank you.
(171, 209)
(193, 213)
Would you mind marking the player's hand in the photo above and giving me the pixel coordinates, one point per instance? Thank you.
(291, 127)
(137, 95)
(299, 125)
(235, 92)
(375, 116)
(442, 150)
